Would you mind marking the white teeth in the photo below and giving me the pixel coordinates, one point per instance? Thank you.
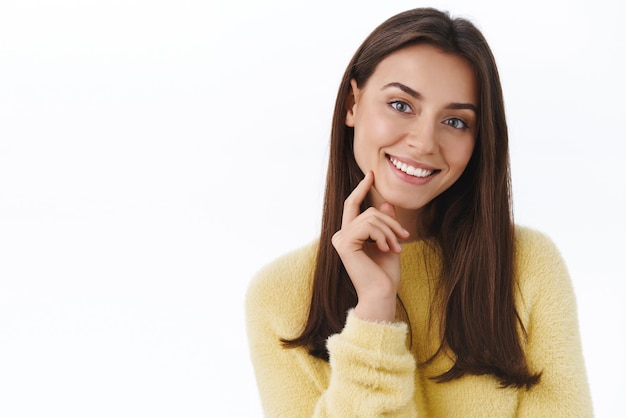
(409, 169)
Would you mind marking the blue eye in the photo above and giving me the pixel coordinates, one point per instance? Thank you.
(456, 123)
(400, 106)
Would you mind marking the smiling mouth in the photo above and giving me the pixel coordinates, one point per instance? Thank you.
(410, 170)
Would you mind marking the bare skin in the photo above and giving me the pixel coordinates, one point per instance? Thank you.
(415, 124)
(374, 267)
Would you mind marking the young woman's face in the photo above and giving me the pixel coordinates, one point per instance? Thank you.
(414, 124)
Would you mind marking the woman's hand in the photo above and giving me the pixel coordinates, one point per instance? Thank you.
(368, 243)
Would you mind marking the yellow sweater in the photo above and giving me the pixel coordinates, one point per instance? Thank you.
(372, 370)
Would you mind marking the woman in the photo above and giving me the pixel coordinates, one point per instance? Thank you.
(421, 298)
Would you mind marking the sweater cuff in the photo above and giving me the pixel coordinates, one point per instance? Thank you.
(377, 336)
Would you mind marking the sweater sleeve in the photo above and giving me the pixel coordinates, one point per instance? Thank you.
(553, 342)
(370, 373)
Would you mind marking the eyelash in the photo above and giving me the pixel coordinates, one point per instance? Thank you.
(395, 103)
(457, 120)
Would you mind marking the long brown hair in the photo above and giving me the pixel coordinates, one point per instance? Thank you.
(470, 223)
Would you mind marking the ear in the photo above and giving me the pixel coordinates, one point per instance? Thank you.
(351, 103)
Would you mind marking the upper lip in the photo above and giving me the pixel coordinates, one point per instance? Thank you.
(412, 163)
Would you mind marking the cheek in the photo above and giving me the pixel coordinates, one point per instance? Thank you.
(360, 152)
(370, 135)
(375, 131)
(460, 154)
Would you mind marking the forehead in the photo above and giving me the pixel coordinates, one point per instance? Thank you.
(432, 72)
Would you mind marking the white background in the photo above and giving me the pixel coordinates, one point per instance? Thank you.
(155, 154)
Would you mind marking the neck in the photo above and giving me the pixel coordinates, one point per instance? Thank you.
(408, 220)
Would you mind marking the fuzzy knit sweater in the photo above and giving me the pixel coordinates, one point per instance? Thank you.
(373, 370)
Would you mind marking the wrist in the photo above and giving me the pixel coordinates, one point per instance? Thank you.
(379, 310)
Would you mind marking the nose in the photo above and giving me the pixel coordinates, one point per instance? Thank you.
(422, 136)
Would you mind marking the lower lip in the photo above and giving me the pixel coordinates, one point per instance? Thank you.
(409, 178)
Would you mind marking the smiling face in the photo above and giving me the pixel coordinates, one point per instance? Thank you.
(414, 125)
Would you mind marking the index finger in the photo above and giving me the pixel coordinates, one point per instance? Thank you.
(352, 205)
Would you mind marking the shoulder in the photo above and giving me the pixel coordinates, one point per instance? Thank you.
(532, 246)
(281, 291)
(541, 272)
(286, 276)
(535, 253)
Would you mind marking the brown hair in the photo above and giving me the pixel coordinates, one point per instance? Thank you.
(470, 223)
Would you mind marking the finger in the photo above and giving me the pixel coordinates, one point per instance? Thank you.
(379, 231)
(380, 239)
(389, 210)
(352, 205)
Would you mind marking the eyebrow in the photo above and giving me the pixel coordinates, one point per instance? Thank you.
(417, 95)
